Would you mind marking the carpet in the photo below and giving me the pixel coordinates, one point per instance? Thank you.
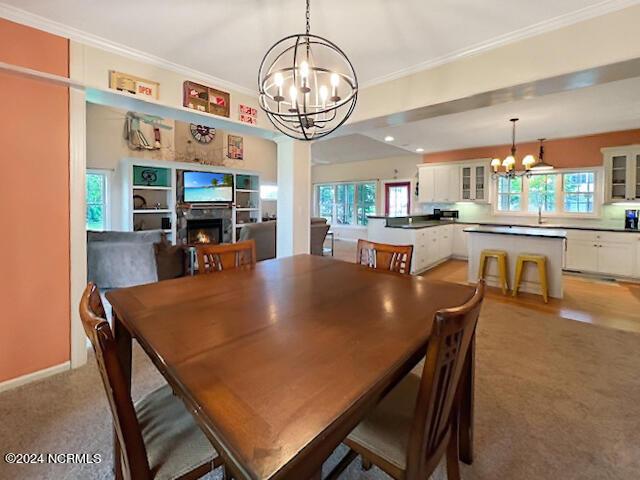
(555, 399)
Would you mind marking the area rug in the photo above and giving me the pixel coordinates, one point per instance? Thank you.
(555, 399)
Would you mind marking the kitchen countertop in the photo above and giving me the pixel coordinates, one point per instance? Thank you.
(435, 223)
(522, 231)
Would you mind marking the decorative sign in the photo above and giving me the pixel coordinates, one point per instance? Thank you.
(134, 85)
(206, 99)
(248, 114)
(235, 149)
(202, 133)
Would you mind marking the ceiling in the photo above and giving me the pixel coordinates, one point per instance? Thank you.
(603, 108)
(227, 39)
(353, 148)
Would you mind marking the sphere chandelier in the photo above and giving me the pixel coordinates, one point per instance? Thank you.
(307, 85)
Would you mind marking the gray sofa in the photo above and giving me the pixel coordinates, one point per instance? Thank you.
(265, 236)
(122, 259)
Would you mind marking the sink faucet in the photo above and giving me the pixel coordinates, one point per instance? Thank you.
(539, 214)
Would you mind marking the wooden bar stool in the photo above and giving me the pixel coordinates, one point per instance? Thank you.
(541, 262)
(501, 258)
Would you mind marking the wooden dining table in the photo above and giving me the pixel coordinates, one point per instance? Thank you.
(279, 362)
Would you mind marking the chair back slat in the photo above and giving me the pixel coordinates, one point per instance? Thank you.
(226, 256)
(126, 426)
(438, 396)
(381, 256)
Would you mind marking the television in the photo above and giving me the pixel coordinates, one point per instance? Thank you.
(207, 187)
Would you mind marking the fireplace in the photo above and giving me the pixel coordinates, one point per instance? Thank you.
(204, 230)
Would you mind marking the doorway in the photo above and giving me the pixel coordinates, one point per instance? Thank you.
(397, 199)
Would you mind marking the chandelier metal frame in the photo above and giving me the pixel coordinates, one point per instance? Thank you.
(312, 115)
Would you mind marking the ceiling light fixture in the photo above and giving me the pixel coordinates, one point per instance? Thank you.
(541, 165)
(389, 138)
(320, 81)
(419, 150)
(509, 163)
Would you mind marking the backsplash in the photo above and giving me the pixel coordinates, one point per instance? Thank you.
(611, 215)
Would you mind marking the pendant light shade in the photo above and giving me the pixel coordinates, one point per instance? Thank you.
(540, 165)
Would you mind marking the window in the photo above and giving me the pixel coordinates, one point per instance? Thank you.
(509, 194)
(579, 191)
(269, 192)
(568, 192)
(346, 203)
(542, 193)
(96, 198)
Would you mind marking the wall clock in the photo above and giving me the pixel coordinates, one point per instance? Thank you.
(202, 133)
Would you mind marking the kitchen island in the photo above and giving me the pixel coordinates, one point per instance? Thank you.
(518, 240)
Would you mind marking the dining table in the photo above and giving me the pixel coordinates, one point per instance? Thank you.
(277, 363)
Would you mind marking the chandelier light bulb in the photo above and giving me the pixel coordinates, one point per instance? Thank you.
(528, 161)
(304, 69)
(495, 164)
(335, 79)
(293, 95)
(278, 79)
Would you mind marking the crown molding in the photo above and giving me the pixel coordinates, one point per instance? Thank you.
(18, 15)
(586, 13)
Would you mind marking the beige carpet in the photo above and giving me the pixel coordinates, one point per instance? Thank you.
(555, 399)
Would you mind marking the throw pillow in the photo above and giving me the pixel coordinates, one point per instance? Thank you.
(169, 260)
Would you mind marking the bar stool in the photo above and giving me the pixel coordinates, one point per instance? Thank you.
(501, 258)
(541, 263)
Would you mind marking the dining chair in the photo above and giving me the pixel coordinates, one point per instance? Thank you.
(409, 431)
(157, 437)
(226, 256)
(381, 256)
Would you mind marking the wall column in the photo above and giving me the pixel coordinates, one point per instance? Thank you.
(294, 189)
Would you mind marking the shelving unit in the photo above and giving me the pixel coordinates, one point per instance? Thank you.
(247, 200)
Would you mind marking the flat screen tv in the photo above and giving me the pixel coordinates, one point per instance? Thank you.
(207, 187)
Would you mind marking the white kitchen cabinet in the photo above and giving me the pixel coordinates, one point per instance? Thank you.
(622, 173)
(608, 253)
(444, 241)
(438, 183)
(460, 239)
(474, 181)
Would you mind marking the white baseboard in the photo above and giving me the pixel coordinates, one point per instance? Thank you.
(350, 240)
(32, 377)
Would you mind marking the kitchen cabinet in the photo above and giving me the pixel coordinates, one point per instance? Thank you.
(622, 173)
(460, 239)
(608, 253)
(438, 183)
(474, 182)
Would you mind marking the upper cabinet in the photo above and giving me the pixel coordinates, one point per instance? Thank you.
(438, 183)
(622, 173)
(474, 182)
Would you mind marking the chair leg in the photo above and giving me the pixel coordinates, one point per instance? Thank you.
(502, 265)
(453, 465)
(366, 464)
(542, 270)
(516, 283)
(483, 259)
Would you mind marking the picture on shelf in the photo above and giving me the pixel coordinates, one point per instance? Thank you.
(207, 187)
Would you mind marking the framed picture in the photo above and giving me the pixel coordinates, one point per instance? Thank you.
(235, 150)
(206, 99)
(134, 85)
(248, 114)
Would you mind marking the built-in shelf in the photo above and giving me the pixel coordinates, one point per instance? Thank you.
(247, 191)
(145, 187)
(247, 209)
(153, 210)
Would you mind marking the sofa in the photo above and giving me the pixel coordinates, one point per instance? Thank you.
(265, 236)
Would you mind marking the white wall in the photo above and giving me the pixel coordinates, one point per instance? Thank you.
(380, 170)
(106, 146)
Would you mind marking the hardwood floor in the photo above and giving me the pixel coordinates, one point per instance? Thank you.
(591, 300)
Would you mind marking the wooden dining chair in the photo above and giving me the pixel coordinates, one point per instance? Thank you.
(226, 256)
(381, 256)
(410, 430)
(157, 437)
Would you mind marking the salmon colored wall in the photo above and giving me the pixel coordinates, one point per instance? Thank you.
(34, 194)
(561, 153)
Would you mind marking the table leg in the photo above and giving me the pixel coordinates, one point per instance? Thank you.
(466, 406)
(122, 339)
(333, 237)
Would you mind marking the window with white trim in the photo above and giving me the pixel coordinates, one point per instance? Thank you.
(346, 203)
(561, 193)
(97, 200)
(510, 194)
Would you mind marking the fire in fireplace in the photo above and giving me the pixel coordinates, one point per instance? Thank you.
(204, 231)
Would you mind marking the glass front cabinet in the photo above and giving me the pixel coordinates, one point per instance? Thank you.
(474, 182)
(622, 173)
